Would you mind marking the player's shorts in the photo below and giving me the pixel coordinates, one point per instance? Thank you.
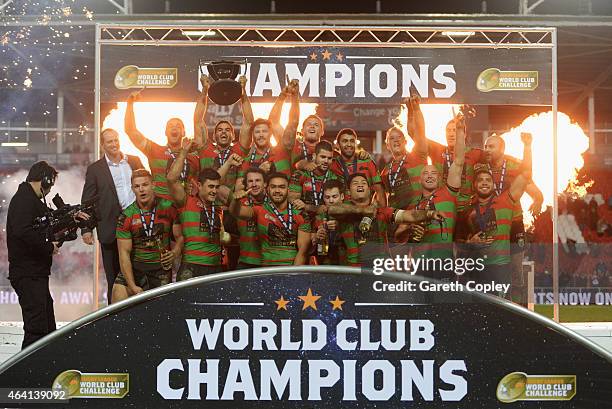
(188, 270)
(146, 276)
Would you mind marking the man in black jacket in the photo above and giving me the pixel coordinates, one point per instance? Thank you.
(109, 179)
(30, 254)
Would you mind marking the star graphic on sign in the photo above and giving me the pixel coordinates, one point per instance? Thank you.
(326, 55)
(339, 56)
(313, 56)
(337, 303)
(309, 300)
(281, 304)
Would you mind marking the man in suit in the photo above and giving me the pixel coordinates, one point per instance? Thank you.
(109, 179)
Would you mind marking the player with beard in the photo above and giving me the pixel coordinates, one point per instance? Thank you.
(442, 157)
(283, 233)
(250, 249)
(505, 170)
(161, 157)
(485, 226)
(216, 152)
(435, 240)
(273, 159)
(348, 163)
(401, 176)
(330, 247)
(306, 188)
(201, 220)
(143, 238)
(367, 241)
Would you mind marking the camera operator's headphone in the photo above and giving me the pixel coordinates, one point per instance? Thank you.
(48, 178)
(44, 172)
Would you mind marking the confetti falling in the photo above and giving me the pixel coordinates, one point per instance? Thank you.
(46, 52)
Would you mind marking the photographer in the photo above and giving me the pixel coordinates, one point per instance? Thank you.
(30, 253)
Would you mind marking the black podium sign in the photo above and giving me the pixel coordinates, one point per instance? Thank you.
(311, 338)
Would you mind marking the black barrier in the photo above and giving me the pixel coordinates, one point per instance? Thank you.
(310, 337)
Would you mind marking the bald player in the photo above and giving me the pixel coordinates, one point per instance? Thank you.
(504, 170)
(160, 157)
(435, 240)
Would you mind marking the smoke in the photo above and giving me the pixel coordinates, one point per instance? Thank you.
(72, 271)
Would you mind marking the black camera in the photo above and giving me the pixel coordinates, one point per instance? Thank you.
(61, 224)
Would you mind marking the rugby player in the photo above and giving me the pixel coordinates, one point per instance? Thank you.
(486, 225)
(143, 239)
(161, 157)
(348, 163)
(306, 188)
(283, 233)
(250, 249)
(201, 220)
(364, 243)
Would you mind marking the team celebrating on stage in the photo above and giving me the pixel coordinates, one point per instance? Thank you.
(217, 202)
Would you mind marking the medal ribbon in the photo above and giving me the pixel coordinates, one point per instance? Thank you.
(223, 155)
(264, 157)
(345, 169)
(393, 177)
(148, 230)
(210, 218)
(287, 225)
(304, 151)
(499, 188)
(318, 195)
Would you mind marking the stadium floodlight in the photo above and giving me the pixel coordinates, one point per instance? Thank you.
(14, 144)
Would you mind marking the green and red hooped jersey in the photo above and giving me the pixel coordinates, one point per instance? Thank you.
(442, 158)
(160, 161)
(495, 220)
(145, 247)
(276, 155)
(344, 169)
(402, 179)
(301, 150)
(503, 180)
(301, 182)
(278, 244)
(377, 236)
(201, 232)
(250, 248)
(212, 157)
(438, 239)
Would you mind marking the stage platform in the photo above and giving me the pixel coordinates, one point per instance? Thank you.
(11, 335)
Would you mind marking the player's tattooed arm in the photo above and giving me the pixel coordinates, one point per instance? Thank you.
(200, 131)
(456, 169)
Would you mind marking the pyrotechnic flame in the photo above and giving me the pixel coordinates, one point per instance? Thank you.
(151, 118)
(572, 143)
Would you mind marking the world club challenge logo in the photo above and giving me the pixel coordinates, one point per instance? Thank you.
(92, 385)
(520, 386)
(493, 79)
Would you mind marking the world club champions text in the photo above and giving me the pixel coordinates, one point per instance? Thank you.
(275, 378)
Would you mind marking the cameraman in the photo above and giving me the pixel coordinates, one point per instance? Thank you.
(30, 254)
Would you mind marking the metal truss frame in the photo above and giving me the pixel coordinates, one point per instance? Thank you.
(370, 35)
(347, 36)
